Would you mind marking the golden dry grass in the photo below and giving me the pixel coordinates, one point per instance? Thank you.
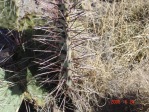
(115, 58)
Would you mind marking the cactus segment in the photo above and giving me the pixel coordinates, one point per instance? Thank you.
(34, 92)
(10, 95)
(7, 14)
(19, 15)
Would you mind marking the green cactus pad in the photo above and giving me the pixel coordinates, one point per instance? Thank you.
(34, 91)
(7, 14)
(10, 96)
(19, 15)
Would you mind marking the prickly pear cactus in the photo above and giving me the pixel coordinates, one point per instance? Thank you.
(10, 96)
(20, 15)
(7, 14)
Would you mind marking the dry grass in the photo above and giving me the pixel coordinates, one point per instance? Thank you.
(118, 48)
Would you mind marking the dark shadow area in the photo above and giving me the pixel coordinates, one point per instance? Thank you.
(51, 80)
(27, 106)
(111, 1)
(19, 81)
(19, 51)
(51, 77)
(13, 60)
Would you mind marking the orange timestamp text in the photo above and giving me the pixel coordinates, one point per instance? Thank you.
(116, 102)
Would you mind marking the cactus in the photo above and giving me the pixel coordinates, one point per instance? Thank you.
(41, 64)
(58, 53)
(8, 14)
(18, 15)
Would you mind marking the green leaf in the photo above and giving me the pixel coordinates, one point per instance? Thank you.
(10, 95)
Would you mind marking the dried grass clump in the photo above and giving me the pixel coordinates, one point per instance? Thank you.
(118, 39)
